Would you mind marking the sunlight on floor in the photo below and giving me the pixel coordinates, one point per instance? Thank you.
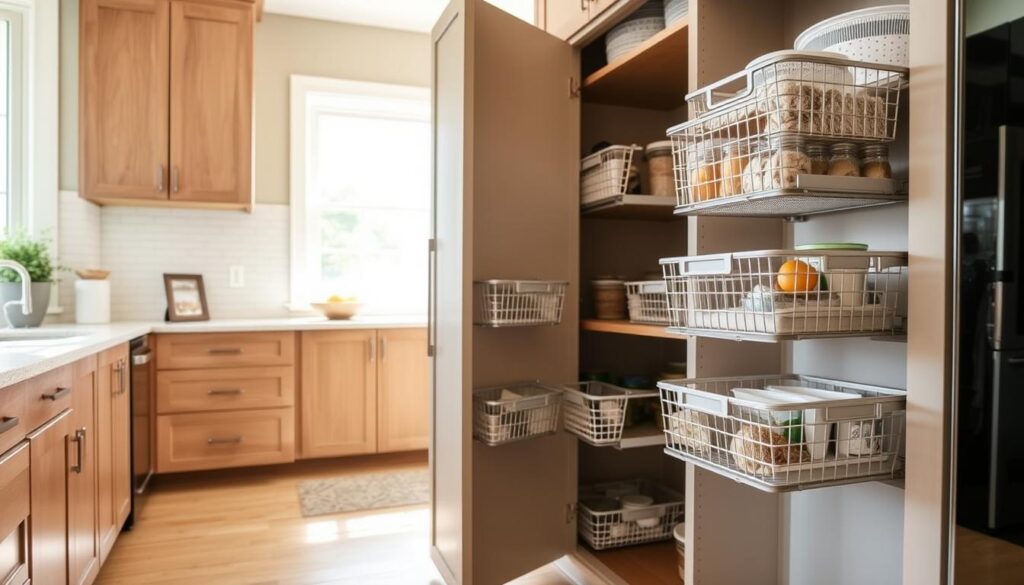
(370, 525)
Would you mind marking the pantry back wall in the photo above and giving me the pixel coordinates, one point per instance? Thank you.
(284, 46)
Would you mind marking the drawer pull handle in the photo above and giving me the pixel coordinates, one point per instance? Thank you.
(79, 449)
(224, 440)
(225, 392)
(60, 393)
(225, 351)
(8, 423)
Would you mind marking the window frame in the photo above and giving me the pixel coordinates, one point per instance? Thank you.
(302, 237)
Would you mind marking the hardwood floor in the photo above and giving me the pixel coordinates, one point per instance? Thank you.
(984, 560)
(244, 527)
(649, 564)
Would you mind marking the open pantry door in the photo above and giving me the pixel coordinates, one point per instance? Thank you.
(506, 206)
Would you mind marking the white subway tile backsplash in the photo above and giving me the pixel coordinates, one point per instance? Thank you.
(78, 245)
(140, 245)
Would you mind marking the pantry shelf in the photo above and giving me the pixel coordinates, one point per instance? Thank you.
(654, 76)
(645, 207)
(641, 436)
(628, 328)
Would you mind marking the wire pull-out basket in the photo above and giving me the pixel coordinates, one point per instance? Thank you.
(596, 411)
(647, 302)
(785, 433)
(606, 522)
(775, 295)
(747, 154)
(512, 413)
(607, 174)
(517, 303)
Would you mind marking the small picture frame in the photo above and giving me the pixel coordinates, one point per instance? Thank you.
(186, 297)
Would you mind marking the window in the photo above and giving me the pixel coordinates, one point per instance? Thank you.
(361, 165)
(11, 151)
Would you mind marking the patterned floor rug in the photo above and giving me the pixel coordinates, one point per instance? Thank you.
(366, 491)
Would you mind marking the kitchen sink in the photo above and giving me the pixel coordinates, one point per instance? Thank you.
(30, 335)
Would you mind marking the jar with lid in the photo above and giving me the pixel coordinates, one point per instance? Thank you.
(735, 157)
(876, 162)
(818, 154)
(704, 175)
(789, 160)
(661, 177)
(845, 161)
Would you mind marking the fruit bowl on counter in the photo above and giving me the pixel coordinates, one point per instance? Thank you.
(338, 308)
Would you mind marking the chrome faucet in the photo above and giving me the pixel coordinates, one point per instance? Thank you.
(26, 288)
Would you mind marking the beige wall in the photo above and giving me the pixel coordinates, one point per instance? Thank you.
(284, 46)
(985, 14)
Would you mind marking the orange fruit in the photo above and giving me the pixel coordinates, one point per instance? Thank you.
(797, 276)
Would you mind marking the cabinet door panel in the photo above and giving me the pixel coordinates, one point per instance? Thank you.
(519, 175)
(124, 68)
(211, 103)
(83, 516)
(403, 384)
(14, 514)
(339, 393)
(48, 475)
(112, 441)
(562, 18)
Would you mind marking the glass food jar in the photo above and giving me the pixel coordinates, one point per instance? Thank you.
(818, 153)
(704, 175)
(735, 156)
(876, 162)
(660, 173)
(789, 160)
(845, 161)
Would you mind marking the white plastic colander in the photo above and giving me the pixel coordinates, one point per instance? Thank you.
(874, 35)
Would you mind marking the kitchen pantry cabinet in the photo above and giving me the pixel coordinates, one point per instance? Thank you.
(48, 473)
(113, 444)
(563, 18)
(83, 495)
(580, 20)
(339, 393)
(170, 121)
(403, 395)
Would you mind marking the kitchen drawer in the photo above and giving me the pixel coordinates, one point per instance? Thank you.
(224, 389)
(14, 513)
(213, 440)
(180, 351)
(13, 422)
(46, 396)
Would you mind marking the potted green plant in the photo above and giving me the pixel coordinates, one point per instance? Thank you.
(34, 255)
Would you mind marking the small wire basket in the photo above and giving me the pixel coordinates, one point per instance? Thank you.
(647, 302)
(513, 413)
(596, 411)
(785, 433)
(518, 303)
(776, 295)
(750, 146)
(605, 523)
(606, 174)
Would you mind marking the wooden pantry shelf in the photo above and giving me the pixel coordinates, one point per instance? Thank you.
(653, 76)
(646, 207)
(628, 328)
(648, 435)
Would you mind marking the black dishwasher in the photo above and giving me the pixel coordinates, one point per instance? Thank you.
(142, 378)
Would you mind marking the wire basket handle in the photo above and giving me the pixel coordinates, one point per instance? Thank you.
(708, 264)
(709, 91)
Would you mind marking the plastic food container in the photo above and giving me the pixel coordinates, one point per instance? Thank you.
(661, 176)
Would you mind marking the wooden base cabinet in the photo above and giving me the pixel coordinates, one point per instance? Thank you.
(83, 485)
(114, 445)
(48, 474)
(15, 509)
(403, 397)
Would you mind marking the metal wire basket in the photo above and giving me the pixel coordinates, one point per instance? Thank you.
(775, 295)
(604, 522)
(596, 411)
(517, 303)
(606, 174)
(507, 414)
(744, 154)
(647, 302)
(785, 433)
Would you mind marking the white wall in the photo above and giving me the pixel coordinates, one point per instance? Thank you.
(985, 14)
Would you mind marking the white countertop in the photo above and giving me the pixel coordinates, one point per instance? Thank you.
(24, 359)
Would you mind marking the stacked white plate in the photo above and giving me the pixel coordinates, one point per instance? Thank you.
(643, 24)
(876, 35)
(675, 10)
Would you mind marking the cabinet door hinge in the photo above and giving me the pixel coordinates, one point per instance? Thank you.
(570, 513)
(574, 88)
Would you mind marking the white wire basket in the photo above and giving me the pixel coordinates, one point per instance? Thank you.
(604, 523)
(596, 411)
(606, 174)
(647, 302)
(518, 303)
(786, 433)
(749, 147)
(776, 295)
(507, 414)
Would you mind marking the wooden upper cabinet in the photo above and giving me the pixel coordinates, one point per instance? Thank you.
(562, 18)
(403, 399)
(165, 102)
(211, 103)
(339, 393)
(124, 61)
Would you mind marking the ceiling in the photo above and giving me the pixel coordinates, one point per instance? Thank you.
(414, 15)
